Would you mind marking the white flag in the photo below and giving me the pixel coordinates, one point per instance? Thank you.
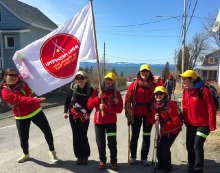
(53, 60)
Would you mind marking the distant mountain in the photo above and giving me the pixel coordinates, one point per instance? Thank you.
(128, 69)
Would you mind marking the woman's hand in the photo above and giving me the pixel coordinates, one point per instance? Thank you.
(101, 106)
(65, 115)
(39, 99)
(86, 116)
(157, 118)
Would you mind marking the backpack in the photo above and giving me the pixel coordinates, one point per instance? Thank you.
(178, 103)
(214, 92)
(74, 86)
(180, 112)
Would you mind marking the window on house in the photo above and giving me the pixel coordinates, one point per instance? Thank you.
(211, 60)
(9, 42)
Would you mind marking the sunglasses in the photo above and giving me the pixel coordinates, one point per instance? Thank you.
(13, 75)
(159, 93)
(80, 78)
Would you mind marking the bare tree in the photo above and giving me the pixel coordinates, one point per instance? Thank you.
(198, 47)
(208, 24)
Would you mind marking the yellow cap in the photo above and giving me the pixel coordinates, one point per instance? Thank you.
(189, 73)
(160, 88)
(145, 67)
(110, 75)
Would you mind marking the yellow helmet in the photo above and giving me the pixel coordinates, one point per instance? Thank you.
(110, 75)
(145, 67)
(189, 73)
(160, 88)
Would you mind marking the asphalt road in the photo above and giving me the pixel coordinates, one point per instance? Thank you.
(40, 161)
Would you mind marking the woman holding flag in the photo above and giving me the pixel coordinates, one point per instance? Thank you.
(105, 118)
(26, 108)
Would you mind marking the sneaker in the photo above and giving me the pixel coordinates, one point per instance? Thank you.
(132, 161)
(54, 158)
(114, 166)
(145, 162)
(102, 165)
(23, 158)
(85, 161)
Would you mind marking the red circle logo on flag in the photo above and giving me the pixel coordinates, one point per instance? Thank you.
(59, 55)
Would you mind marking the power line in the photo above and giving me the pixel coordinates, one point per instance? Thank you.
(191, 15)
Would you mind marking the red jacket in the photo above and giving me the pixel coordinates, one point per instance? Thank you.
(140, 97)
(197, 111)
(113, 105)
(21, 98)
(169, 115)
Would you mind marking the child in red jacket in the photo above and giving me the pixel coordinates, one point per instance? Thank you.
(166, 114)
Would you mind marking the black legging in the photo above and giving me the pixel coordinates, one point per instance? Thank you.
(163, 151)
(101, 130)
(195, 138)
(135, 127)
(23, 127)
(80, 140)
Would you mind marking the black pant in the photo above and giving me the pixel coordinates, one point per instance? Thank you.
(163, 151)
(135, 128)
(100, 131)
(81, 146)
(195, 138)
(23, 127)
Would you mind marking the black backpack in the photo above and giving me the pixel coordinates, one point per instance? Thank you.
(214, 92)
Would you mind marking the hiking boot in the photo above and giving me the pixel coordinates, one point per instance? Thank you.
(23, 158)
(53, 156)
(85, 161)
(114, 166)
(102, 165)
(145, 162)
(132, 161)
(79, 161)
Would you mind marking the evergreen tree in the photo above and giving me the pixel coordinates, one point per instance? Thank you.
(114, 71)
(166, 70)
(121, 74)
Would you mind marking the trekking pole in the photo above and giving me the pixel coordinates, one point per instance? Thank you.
(174, 96)
(154, 162)
(129, 117)
(129, 143)
(155, 140)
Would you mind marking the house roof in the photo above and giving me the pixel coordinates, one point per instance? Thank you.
(29, 14)
(200, 67)
(213, 55)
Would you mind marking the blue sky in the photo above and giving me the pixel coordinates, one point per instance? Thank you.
(130, 29)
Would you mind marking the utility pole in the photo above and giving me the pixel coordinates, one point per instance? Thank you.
(104, 60)
(184, 36)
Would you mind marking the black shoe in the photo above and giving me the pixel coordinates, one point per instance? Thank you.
(198, 171)
(85, 161)
(79, 161)
(191, 169)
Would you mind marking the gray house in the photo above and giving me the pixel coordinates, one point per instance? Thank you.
(20, 25)
(209, 68)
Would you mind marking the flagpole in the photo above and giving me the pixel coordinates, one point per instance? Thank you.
(97, 57)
